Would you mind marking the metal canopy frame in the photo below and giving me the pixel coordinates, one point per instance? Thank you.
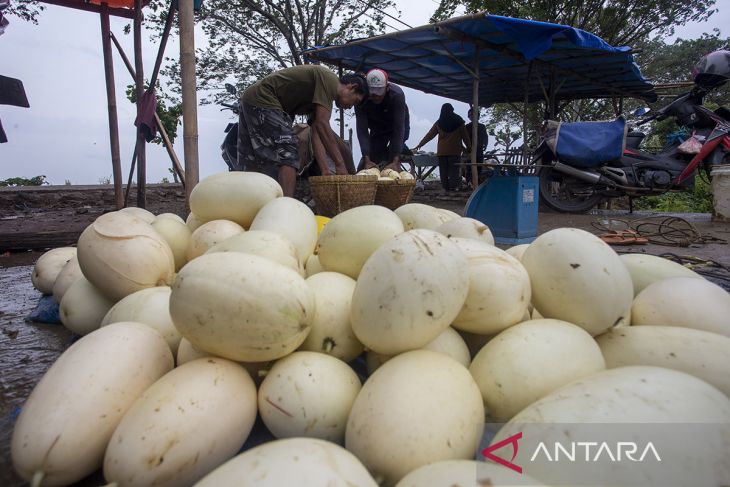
(92, 7)
(443, 58)
(477, 60)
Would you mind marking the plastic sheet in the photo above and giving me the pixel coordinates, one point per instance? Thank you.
(45, 312)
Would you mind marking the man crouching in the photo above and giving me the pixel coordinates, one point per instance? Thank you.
(266, 139)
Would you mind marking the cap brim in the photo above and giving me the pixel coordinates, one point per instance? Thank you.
(377, 91)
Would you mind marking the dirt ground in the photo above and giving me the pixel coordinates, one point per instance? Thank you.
(38, 218)
(32, 220)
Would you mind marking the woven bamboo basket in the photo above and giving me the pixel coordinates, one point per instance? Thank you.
(335, 194)
(393, 193)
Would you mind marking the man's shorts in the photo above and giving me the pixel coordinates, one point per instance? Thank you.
(266, 140)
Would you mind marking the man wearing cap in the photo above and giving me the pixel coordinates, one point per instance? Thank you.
(383, 123)
(266, 139)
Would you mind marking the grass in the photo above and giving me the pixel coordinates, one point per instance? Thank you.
(699, 200)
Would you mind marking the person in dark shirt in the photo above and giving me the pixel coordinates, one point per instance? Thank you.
(482, 137)
(383, 123)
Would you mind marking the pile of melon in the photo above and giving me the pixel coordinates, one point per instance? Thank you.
(386, 174)
(256, 307)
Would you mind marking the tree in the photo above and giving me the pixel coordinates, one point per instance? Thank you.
(25, 10)
(247, 39)
(639, 23)
(167, 109)
(673, 63)
(504, 137)
(34, 181)
(618, 22)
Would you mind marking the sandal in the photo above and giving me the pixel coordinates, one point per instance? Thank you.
(623, 237)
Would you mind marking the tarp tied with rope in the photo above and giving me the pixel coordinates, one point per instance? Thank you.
(515, 60)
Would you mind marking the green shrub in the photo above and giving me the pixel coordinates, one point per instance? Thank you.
(34, 181)
(699, 200)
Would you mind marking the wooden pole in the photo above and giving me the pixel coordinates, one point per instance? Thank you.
(190, 102)
(524, 113)
(474, 122)
(139, 83)
(111, 98)
(131, 172)
(553, 95)
(342, 114)
(163, 44)
(161, 128)
(170, 151)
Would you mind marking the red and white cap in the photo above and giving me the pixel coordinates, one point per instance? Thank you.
(377, 81)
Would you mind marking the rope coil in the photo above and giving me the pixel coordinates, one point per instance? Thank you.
(659, 230)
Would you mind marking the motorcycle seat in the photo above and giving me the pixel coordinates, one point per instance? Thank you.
(587, 144)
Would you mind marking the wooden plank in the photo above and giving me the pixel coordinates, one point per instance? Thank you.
(139, 86)
(89, 7)
(186, 22)
(39, 240)
(111, 98)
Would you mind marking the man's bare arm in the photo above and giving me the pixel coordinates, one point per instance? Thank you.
(324, 141)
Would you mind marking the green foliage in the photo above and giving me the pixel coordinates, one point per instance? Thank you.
(699, 200)
(247, 39)
(25, 10)
(34, 181)
(639, 23)
(669, 63)
(504, 137)
(618, 22)
(657, 136)
(168, 110)
(673, 63)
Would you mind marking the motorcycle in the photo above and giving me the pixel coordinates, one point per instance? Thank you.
(307, 165)
(229, 147)
(569, 184)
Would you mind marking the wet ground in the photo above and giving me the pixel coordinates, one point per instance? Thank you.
(28, 349)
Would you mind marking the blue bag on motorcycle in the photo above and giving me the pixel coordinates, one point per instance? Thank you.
(587, 144)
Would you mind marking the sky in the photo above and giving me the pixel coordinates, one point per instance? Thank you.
(64, 135)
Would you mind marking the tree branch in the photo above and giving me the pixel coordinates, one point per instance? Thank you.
(253, 37)
(282, 28)
(305, 24)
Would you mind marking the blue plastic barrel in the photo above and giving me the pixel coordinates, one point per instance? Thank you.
(508, 206)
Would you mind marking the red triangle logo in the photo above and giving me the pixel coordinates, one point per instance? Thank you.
(512, 440)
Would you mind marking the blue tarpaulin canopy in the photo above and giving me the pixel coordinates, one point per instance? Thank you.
(514, 60)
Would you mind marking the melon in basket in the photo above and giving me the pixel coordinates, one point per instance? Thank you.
(393, 193)
(335, 194)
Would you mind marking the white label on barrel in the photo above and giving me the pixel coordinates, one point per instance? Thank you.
(528, 195)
